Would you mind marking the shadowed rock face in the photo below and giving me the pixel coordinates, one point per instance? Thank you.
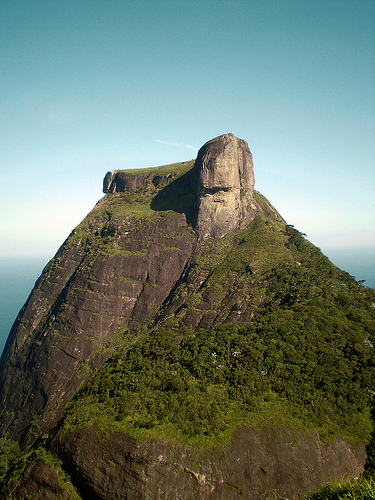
(225, 181)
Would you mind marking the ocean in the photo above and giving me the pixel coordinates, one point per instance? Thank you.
(17, 278)
(19, 274)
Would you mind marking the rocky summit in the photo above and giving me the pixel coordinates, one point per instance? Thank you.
(185, 342)
(225, 182)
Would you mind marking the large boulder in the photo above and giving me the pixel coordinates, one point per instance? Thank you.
(225, 182)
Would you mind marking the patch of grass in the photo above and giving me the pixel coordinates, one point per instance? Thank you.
(21, 464)
(9, 456)
(363, 489)
(180, 168)
(117, 205)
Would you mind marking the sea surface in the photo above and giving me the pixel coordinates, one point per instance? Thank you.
(19, 274)
(17, 278)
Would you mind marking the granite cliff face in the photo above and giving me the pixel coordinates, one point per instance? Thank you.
(85, 295)
(252, 463)
(225, 182)
(184, 248)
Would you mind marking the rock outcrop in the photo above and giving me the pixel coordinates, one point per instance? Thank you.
(188, 247)
(225, 182)
(284, 464)
(81, 300)
(117, 181)
(253, 463)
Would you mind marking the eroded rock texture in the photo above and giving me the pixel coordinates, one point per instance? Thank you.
(82, 299)
(225, 182)
(284, 464)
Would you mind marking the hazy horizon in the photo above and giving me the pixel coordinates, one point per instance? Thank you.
(92, 86)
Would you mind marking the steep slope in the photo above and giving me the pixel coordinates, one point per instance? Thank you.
(209, 347)
(116, 269)
(108, 273)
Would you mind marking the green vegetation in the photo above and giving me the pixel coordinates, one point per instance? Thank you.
(14, 465)
(199, 386)
(307, 359)
(364, 489)
(179, 168)
(9, 455)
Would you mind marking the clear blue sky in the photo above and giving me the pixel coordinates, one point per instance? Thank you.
(87, 86)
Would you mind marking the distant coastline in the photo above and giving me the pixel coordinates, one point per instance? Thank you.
(358, 262)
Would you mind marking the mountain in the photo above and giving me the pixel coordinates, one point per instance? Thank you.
(185, 342)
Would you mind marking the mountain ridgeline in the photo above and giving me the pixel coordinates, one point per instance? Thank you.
(185, 342)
